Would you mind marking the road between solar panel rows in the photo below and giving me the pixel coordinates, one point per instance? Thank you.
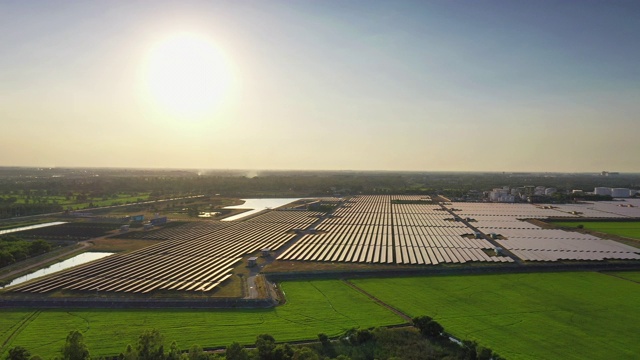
(313, 307)
(527, 316)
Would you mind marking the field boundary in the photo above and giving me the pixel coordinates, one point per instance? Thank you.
(131, 303)
(618, 277)
(378, 301)
(21, 325)
(478, 270)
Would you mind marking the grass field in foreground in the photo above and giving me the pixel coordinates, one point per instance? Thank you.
(627, 229)
(629, 275)
(526, 316)
(313, 307)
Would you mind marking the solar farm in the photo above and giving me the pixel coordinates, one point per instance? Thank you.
(530, 242)
(382, 230)
(194, 258)
(373, 229)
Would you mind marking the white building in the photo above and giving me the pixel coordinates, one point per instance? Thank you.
(501, 195)
(602, 191)
(620, 192)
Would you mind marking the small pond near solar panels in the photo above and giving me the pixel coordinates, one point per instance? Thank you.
(31, 227)
(63, 265)
(257, 205)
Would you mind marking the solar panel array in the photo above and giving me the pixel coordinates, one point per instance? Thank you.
(600, 209)
(375, 229)
(530, 242)
(384, 229)
(190, 261)
(184, 231)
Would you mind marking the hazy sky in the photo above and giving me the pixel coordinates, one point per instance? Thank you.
(360, 85)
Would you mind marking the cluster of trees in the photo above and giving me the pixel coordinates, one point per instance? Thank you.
(9, 210)
(13, 249)
(470, 350)
(429, 342)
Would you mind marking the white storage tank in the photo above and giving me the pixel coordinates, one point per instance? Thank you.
(602, 191)
(620, 193)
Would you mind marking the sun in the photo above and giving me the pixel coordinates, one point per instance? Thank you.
(187, 75)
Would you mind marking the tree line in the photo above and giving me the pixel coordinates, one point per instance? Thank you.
(164, 184)
(425, 340)
(13, 249)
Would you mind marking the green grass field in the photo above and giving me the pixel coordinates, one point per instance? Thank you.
(626, 229)
(629, 275)
(327, 306)
(527, 316)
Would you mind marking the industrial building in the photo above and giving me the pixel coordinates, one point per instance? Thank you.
(614, 192)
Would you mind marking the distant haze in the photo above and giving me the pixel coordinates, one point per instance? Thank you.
(344, 85)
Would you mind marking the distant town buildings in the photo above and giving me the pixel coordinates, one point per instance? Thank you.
(501, 195)
(615, 192)
(509, 195)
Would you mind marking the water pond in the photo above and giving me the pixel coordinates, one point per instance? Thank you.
(74, 261)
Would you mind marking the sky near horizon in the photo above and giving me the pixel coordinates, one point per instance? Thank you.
(327, 85)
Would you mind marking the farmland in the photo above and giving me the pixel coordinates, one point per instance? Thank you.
(327, 306)
(629, 229)
(521, 316)
(527, 316)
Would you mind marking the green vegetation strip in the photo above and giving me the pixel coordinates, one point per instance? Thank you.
(626, 229)
(327, 306)
(527, 316)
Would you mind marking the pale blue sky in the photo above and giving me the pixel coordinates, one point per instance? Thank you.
(361, 85)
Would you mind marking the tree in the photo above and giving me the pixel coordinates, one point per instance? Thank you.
(235, 351)
(283, 352)
(18, 353)
(74, 347)
(470, 349)
(305, 354)
(428, 327)
(39, 247)
(363, 336)
(128, 354)
(433, 329)
(196, 353)
(174, 352)
(265, 344)
(6, 258)
(484, 353)
(324, 339)
(343, 357)
(327, 348)
(150, 345)
(421, 321)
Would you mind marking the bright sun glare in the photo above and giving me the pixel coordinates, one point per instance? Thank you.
(187, 75)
